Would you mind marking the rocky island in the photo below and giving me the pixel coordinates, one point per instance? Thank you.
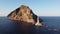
(24, 14)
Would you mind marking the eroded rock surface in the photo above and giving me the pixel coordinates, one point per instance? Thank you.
(24, 14)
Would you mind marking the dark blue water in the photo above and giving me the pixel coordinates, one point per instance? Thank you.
(51, 25)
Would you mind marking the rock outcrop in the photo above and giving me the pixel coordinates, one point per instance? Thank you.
(24, 14)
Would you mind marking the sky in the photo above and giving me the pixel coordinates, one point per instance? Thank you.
(39, 7)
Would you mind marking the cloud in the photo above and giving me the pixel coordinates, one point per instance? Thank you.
(2, 14)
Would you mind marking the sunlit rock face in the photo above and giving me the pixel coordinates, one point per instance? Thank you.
(24, 14)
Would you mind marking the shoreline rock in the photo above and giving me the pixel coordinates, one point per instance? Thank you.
(23, 14)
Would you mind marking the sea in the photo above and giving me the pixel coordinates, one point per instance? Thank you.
(51, 25)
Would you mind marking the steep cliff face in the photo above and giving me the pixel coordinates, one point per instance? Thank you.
(23, 13)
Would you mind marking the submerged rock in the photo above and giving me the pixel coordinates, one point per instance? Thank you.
(23, 14)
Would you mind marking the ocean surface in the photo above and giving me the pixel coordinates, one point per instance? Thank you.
(51, 25)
